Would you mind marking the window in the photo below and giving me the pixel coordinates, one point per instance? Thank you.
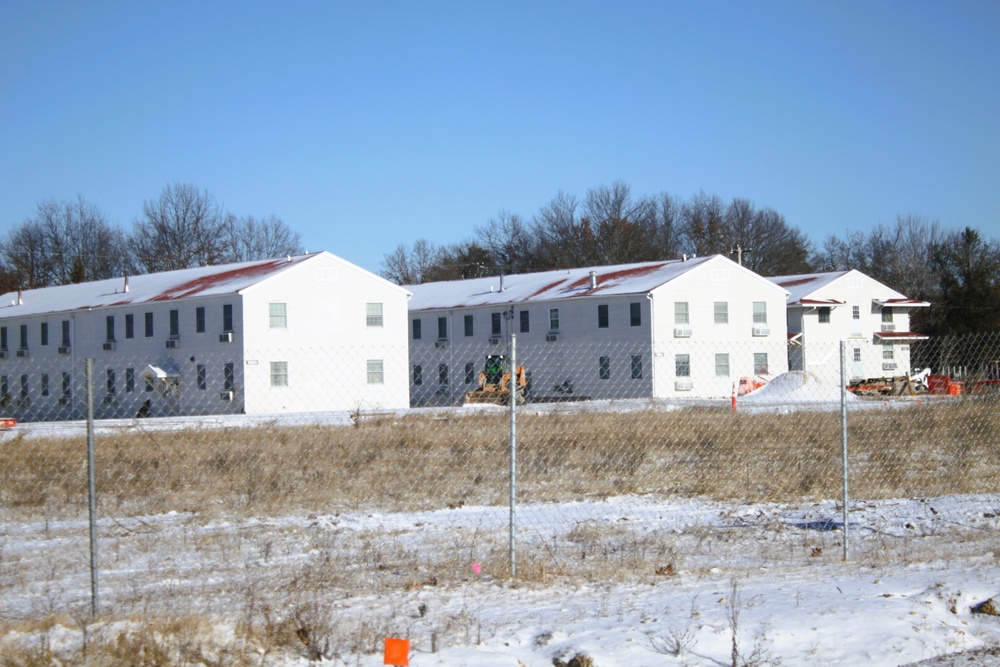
(278, 315)
(45, 333)
(824, 315)
(418, 374)
(149, 325)
(887, 315)
(24, 336)
(721, 312)
(495, 326)
(416, 329)
(887, 352)
(229, 376)
(442, 328)
(65, 333)
(470, 373)
(760, 363)
(67, 387)
(111, 381)
(175, 323)
(373, 315)
(604, 368)
(443, 374)
(375, 372)
(109, 328)
(553, 319)
(227, 317)
(681, 315)
(602, 316)
(3, 338)
(760, 312)
(682, 365)
(636, 367)
(722, 365)
(199, 319)
(129, 380)
(45, 384)
(468, 325)
(524, 321)
(635, 314)
(130, 326)
(4, 390)
(201, 377)
(857, 355)
(24, 390)
(856, 312)
(279, 373)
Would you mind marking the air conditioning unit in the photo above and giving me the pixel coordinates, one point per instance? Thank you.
(495, 340)
(228, 396)
(173, 343)
(23, 353)
(889, 366)
(23, 402)
(4, 354)
(762, 330)
(441, 344)
(551, 338)
(108, 346)
(64, 400)
(64, 349)
(887, 326)
(226, 337)
(682, 332)
(683, 385)
(110, 399)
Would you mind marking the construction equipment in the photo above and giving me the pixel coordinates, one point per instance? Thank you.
(495, 383)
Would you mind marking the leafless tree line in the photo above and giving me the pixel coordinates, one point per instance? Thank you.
(71, 242)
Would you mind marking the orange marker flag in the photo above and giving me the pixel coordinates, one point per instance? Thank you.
(397, 652)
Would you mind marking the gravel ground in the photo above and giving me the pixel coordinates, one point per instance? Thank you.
(984, 657)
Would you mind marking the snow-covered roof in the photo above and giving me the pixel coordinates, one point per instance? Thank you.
(153, 287)
(807, 289)
(617, 280)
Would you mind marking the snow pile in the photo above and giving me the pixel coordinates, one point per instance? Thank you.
(797, 387)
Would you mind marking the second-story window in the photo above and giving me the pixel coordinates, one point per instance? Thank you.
(199, 319)
(760, 312)
(45, 333)
(109, 326)
(553, 319)
(469, 324)
(442, 328)
(227, 317)
(635, 314)
(278, 315)
(373, 314)
(524, 321)
(721, 312)
(148, 322)
(65, 333)
(175, 323)
(130, 326)
(681, 315)
(495, 324)
(417, 333)
(602, 316)
(824, 315)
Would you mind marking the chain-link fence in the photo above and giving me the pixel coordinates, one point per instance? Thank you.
(227, 494)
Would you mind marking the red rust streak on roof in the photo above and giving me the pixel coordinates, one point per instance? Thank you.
(613, 276)
(800, 281)
(548, 287)
(205, 282)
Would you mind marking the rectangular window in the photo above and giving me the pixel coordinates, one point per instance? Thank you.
(856, 312)
(416, 330)
(65, 333)
(721, 312)
(857, 354)
(148, 325)
(199, 319)
(418, 374)
(67, 387)
(760, 312)
(760, 363)
(553, 319)
(175, 323)
(470, 373)
(636, 367)
(130, 326)
(722, 365)
(129, 380)
(279, 373)
(24, 390)
(277, 315)
(24, 336)
(468, 325)
(229, 376)
(495, 326)
(443, 374)
(201, 377)
(824, 315)
(681, 313)
(376, 374)
(635, 315)
(373, 315)
(3, 338)
(887, 352)
(5, 396)
(45, 384)
(602, 316)
(442, 328)
(45, 333)
(887, 315)
(682, 365)
(524, 321)
(604, 368)
(109, 328)
(227, 317)
(111, 380)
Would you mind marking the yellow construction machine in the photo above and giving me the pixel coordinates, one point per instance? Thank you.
(495, 383)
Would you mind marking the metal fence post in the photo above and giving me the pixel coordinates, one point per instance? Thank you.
(512, 405)
(843, 438)
(91, 487)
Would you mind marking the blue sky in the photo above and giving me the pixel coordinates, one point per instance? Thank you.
(366, 125)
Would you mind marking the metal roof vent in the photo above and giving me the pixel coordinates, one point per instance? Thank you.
(126, 284)
(593, 280)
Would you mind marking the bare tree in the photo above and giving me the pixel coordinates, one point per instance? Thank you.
(703, 225)
(249, 238)
(509, 241)
(183, 228)
(618, 223)
(411, 266)
(762, 241)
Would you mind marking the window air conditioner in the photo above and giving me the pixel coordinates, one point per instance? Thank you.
(64, 349)
(762, 330)
(683, 385)
(226, 337)
(494, 340)
(108, 346)
(173, 343)
(682, 332)
(551, 338)
(441, 344)
(886, 326)
(23, 353)
(228, 396)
